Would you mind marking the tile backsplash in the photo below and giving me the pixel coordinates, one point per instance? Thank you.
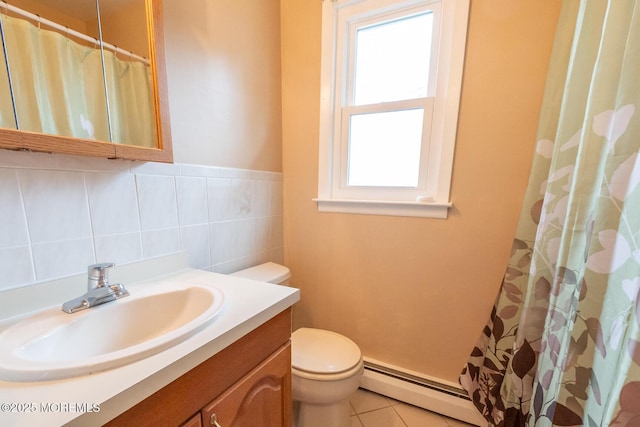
(59, 214)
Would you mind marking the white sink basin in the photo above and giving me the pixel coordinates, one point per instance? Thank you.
(53, 345)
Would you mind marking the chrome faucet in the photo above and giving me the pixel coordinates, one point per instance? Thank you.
(99, 290)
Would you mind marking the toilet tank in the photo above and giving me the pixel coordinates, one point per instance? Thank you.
(268, 272)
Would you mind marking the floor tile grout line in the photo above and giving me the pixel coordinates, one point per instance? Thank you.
(400, 416)
(395, 404)
(389, 403)
(372, 410)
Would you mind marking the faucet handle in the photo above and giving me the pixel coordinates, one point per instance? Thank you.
(99, 274)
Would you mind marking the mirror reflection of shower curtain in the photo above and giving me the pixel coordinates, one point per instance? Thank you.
(59, 87)
(7, 117)
(131, 104)
(57, 82)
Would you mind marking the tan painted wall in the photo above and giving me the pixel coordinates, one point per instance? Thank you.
(223, 71)
(80, 21)
(126, 28)
(416, 292)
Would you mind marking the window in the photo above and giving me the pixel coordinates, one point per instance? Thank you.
(391, 77)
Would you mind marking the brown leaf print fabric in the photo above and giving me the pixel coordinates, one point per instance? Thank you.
(562, 343)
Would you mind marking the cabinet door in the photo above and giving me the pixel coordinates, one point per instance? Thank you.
(261, 398)
(195, 421)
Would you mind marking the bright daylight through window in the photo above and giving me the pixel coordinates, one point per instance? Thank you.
(391, 76)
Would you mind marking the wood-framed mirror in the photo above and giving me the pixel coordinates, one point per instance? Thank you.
(122, 113)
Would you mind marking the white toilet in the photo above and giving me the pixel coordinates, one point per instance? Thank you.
(326, 366)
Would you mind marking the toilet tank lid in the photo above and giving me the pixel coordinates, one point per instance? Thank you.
(267, 272)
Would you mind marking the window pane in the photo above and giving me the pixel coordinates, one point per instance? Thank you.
(384, 149)
(392, 60)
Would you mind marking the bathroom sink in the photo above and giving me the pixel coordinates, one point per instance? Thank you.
(52, 344)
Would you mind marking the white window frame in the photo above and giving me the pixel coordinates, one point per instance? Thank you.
(431, 197)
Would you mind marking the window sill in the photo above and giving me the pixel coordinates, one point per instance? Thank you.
(379, 207)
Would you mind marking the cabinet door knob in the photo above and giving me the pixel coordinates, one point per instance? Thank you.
(214, 421)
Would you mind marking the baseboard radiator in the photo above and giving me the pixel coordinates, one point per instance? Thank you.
(416, 389)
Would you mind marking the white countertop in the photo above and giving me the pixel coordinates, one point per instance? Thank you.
(95, 399)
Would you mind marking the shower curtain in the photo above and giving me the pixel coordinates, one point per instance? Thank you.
(131, 104)
(57, 83)
(59, 87)
(7, 118)
(562, 345)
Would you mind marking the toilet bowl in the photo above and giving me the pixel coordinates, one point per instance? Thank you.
(326, 370)
(326, 367)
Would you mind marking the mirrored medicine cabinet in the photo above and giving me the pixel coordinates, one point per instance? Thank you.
(84, 77)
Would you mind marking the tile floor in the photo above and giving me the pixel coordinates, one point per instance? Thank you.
(374, 410)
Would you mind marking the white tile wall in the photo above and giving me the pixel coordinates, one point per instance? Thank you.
(58, 214)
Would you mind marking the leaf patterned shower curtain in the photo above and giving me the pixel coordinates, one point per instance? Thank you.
(562, 345)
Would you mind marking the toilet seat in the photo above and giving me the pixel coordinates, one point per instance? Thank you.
(356, 370)
(324, 355)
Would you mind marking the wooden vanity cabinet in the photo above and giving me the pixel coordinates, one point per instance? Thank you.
(261, 398)
(246, 384)
(195, 421)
